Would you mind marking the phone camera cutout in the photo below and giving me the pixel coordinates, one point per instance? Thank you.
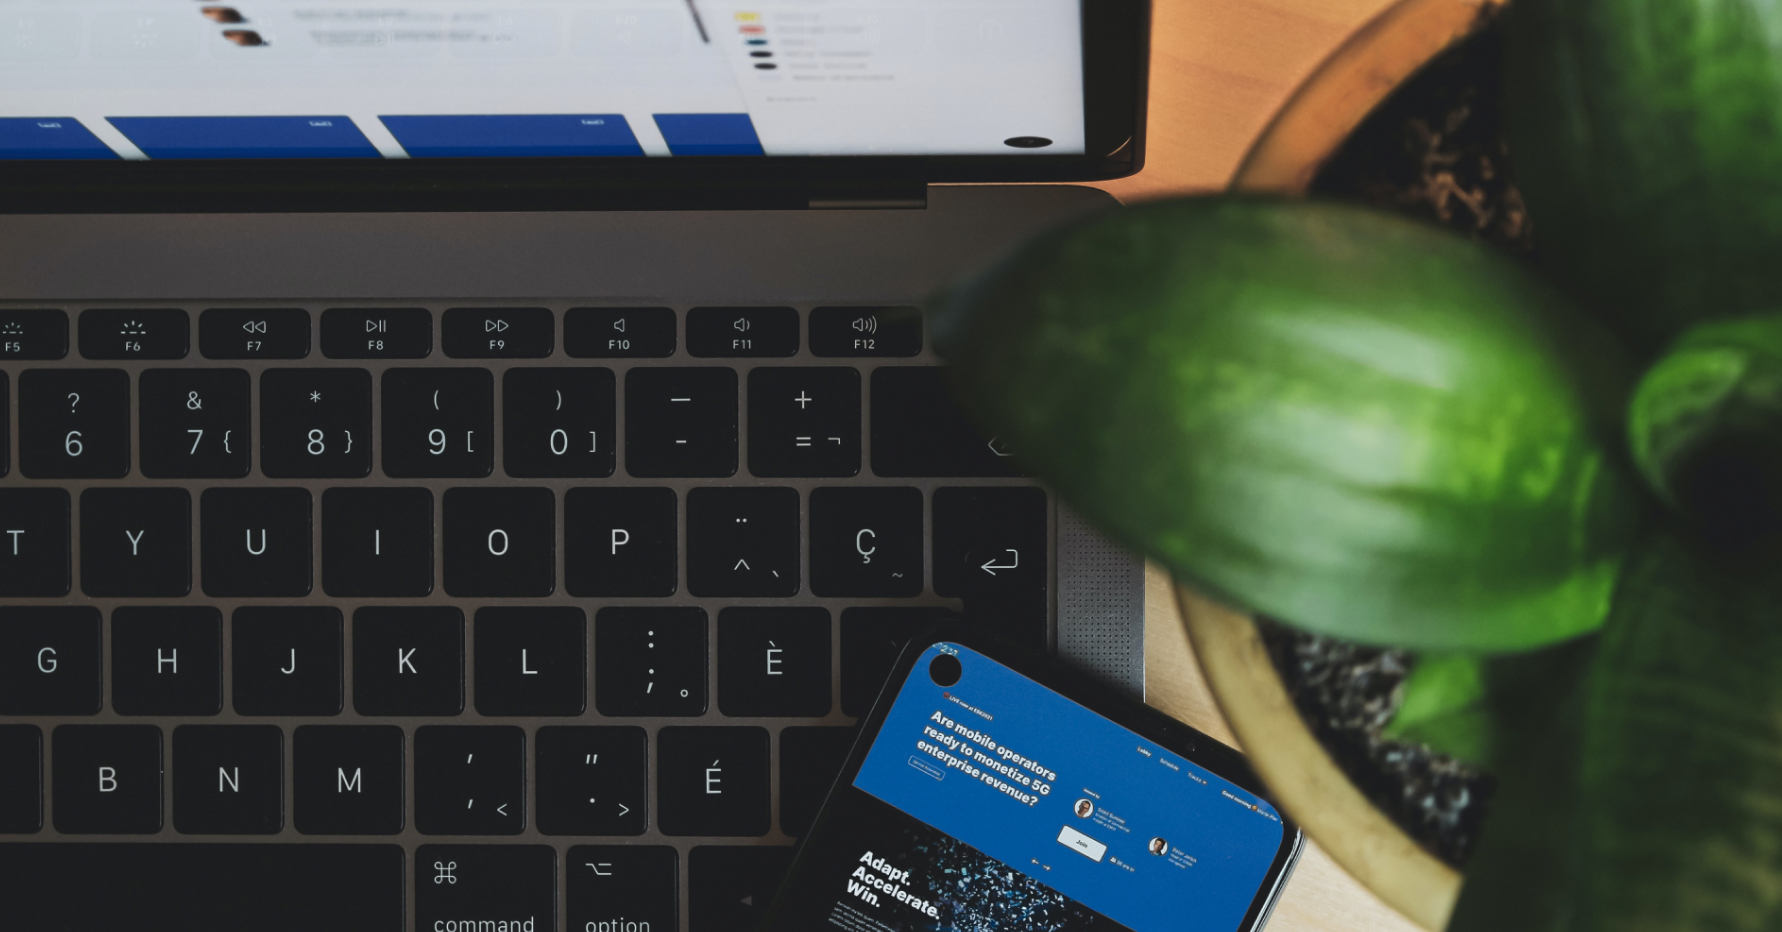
(945, 670)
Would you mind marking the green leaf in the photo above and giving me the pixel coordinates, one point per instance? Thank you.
(1444, 706)
(1347, 420)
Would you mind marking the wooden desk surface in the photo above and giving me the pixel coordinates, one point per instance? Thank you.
(1219, 71)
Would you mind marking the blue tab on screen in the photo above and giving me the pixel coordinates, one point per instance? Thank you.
(50, 138)
(246, 137)
(709, 133)
(500, 136)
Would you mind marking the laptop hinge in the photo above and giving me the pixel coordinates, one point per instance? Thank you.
(911, 196)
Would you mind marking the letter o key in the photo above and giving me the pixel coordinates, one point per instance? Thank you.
(503, 550)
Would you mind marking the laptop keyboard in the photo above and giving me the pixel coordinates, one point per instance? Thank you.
(429, 617)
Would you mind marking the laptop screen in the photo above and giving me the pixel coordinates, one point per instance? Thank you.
(420, 79)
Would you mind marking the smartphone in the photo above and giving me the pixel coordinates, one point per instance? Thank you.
(993, 790)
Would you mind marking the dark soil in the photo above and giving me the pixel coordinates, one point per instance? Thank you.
(1434, 150)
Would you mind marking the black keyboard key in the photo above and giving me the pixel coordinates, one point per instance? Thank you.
(267, 888)
(105, 779)
(866, 331)
(498, 332)
(287, 660)
(347, 779)
(620, 542)
(256, 542)
(712, 780)
(742, 542)
(408, 660)
(147, 333)
(500, 542)
(618, 332)
(866, 542)
(49, 660)
(475, 887)
(650, 661)
(622, 887)
(729, 887)
(195, 423)
(135, 542)
(21, 779)
(810, 760)
(377, 333)
(167, 660)
(531, 661)
(5, 423)
(742, 331)
(377, 542)
(439, 422)
(228, 779)
(558, 423)
(917, 430)
(74, 423)
(34, 543)
(680, 422)
(773, 662)
(315, 423)
(871, 640)
(990, 550)
(804, 421)
(248, 333)
(37, 333)
(593, 780)
(470, 779)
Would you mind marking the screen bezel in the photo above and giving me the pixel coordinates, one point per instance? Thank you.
(1116, 37)
(1189, 743)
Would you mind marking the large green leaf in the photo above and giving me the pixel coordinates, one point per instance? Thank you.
(1337, 417)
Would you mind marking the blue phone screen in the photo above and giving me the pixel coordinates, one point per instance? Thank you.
(1031, 811)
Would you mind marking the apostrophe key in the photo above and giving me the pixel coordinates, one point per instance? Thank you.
(246, 333)
(37, 333)
(74, 423)
(377, 333)
(151, 333)
(618, 332)
(470, 780)
(742, 331)
(866, 331)
(498, 332)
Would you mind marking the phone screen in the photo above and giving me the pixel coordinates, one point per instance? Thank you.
(987, 801)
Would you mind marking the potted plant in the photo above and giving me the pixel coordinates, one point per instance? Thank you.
(1557, 480)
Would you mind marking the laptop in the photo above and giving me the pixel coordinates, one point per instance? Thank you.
(468, 465)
